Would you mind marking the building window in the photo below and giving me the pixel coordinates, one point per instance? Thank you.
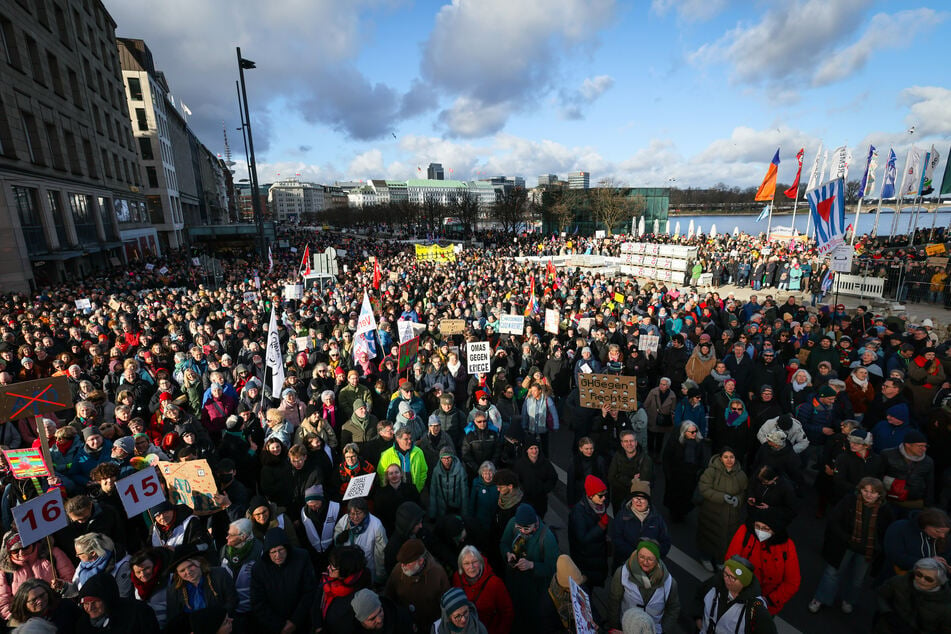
(105, 163)
(59, 217)
(9, 40)
(152, 176)
(145, 148)
(28, 211)
(34, 51)
(135, 89)
(55, 76)
(74, 88)
(32, 137)
(54, 146)
(90, 159)
(41, 14)
(82, 218)
(61, 25)
(105, 214)
(141, 120)
(123, 210)
(72, 151)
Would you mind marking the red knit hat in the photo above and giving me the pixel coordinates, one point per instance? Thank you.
(594, 484)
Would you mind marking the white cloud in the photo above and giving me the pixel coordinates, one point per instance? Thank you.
(501, 57)
(366, 165)
(884, 31)
(789, 41)
(574, 101)
(470, 117)
(929, 110)
(689, 10)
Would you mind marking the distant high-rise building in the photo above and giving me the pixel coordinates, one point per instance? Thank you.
(579, 180)
(290, 199)
(435, 172)
(547, 179)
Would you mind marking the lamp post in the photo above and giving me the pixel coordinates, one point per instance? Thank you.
(252, 166)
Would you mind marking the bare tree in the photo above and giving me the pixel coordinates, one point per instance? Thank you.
(465, 207)
(433, 211)
(563, 211)
(611, 204)
(511, 209)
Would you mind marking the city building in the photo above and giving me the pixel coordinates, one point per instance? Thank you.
(290, 198)
(441, 191)
(579, 180)
(435, 172)
(245, 204)
(547, 179)
(69, 175)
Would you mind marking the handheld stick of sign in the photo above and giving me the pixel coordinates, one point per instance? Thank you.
(44, 443)
(36, 485)
(49, 548)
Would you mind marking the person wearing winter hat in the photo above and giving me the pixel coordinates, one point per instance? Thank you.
(910, 472)
(555, 612)
(731, 601)
(459, 616)
(890, 432)
(636, 521)
(763, 541)
(417, 581)
(530, 550)
(318, 517)
(643, 581)
(588, 531)
(283, 585)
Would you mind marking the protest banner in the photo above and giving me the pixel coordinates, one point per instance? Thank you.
(114, 304)
(648, 343)
(935, 249)
(452, 326)
(551, 320)
(140, 491)
(293, 291)
(190, 483)
(581, 608)
(597, 390)
(249, 297)
(478, 357)
(163, 270)
(302, 343)
(149, 267)
(584, 325)
(26, 463)
(83, 304)
(408, 352)
(32, 398)
(435, 253)
(511, 324)
(40, 517)
(619, 298)
(359, 487)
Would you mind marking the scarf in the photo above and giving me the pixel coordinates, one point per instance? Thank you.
(861, 384)
(337, 588)
(869, 545)
(64, 445)
(906, 456)
(239, 554)
(87, 569)
(797, 386)
(195, 598)
(597, 508)
(510, 500)
(641, 515)
(719, 378)
(561, 597)
(146, 588)
(705, 358)
(359, 528)
(732, 418)
(454, 367)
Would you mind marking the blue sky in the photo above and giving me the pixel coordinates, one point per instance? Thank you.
(641, 92)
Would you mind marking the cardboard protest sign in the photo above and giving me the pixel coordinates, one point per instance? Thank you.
(648, 343)
(581, 608)
(163, 270)
(303, 343)
(190, 483)
(26, 463)
(293, 291)
(935, 249)
(478, 357)
(597, 390)
(249, 297)
(584, 325)
(83, 304)
(452, 326)
(149, 267)
(32, 398)
(511, 324)
(140, 491)
(408, 352)
(114, 304)
(359, 487)
(551, 320)
(39, 517)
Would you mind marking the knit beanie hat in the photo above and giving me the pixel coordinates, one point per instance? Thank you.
(364, 603)
(641, 489)
(89, 432)
(315, 492)
(525, 515)
(740, 568)
(452, 600)
(566, 569)
(825, 392)
(861, 436)
(410, 551)
(650, 545)
(126, 444)
(593, 485)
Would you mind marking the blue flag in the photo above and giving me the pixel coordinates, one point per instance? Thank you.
(891, 173)
(827, 205)
(763, 214)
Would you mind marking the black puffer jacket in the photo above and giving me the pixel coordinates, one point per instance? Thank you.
(282, 593)
(125, 615)
(587, 542)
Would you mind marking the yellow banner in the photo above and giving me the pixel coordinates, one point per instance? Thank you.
(435, 253)
(935, 249)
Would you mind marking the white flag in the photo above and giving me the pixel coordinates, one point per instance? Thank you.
(822, 170)
(839, 167)
(273, 358)
(186, 109)
(814, 175)
(909, 181)
(366, 322)
(927, 176)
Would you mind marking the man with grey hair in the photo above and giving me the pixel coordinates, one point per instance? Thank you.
(919, 601)
(238, 556)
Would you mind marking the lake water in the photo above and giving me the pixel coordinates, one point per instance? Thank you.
(747, 222)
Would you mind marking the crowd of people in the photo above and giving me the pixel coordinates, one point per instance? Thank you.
(742, 407)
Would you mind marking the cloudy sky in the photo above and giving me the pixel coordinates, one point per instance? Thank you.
(647, 92)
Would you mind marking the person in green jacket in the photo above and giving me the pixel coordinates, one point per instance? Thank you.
(531, 552)
(409, 457)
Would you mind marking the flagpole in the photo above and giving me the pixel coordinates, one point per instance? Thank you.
(855, 225)
(878, 210)
(896, 221)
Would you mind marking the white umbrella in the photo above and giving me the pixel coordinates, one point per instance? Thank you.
(677, 229)
(713, 231)
(699, 230)
(667, 227)
(736, 231)
(640, 227)
(656, 226)
(690, 229)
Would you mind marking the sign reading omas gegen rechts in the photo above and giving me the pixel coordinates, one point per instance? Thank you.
(598, 390)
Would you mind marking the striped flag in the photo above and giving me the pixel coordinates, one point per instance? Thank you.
(767, 189)
(827, 205)
(891, 175)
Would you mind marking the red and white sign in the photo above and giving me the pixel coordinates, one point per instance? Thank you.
(140, 491)
(40, 517)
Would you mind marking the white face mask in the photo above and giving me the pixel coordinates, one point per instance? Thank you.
(762, 535)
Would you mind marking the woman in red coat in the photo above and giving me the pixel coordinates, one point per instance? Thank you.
(763, 540)
(484, 589)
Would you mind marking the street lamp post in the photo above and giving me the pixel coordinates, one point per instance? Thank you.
(252, 166)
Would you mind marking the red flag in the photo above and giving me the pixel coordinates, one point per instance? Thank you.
(550, 268)
(305, 262)
(793, 191)
(377, 275)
